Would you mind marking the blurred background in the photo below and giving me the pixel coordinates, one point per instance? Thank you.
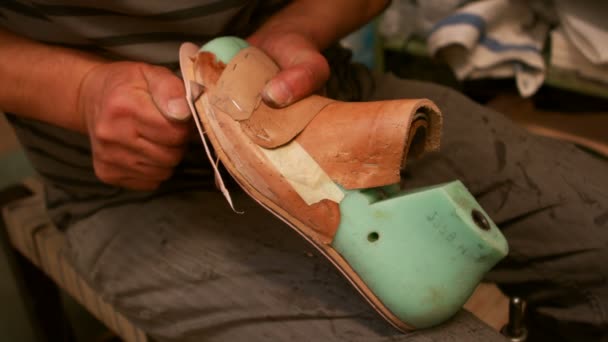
(542, 63)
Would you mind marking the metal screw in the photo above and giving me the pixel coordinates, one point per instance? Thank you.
(515, 329)
(480, 219)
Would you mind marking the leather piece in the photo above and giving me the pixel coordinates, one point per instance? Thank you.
(235, 89)
(207, 69)
(365, 144)
(258, 177)
(240, 86)
(271, 127)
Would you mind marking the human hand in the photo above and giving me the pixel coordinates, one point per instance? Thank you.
(137, 119)
(304, 70)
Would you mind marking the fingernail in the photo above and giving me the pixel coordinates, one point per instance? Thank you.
(178, 109)
(276, 93)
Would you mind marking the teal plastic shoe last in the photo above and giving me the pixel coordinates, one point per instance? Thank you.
(224, 48)
(416, 256)
(421, 252)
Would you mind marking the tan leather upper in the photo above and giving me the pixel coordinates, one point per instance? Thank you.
(365, 144)
(360, 145)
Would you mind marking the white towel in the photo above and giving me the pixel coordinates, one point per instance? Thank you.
(404, 19)
(585, 23)
(494, 38)
(565, 56)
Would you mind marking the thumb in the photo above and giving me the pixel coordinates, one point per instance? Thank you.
(168, 93)
(299, 78)
(303, 68)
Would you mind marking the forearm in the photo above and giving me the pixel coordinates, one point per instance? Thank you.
(322, 21)
(41, 81)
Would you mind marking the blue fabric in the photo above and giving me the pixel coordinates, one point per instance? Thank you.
(461, 18)
(496, 46)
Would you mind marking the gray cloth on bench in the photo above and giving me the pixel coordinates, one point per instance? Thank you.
(185, 267)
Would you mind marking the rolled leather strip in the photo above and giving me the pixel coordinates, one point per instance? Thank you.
(365, 144)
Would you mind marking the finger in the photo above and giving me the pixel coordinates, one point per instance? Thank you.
(293, 84)
(117, 175)
(158, 155)
(300, 76)
(139, 170)
(139, 151)
(156, 127)
(168, 93)
(169, 135)
(137, 116)
(133, 166)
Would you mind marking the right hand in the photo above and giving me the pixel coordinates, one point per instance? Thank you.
(304, 70)
(137, 118)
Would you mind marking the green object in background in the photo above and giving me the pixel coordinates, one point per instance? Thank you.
(421, 252)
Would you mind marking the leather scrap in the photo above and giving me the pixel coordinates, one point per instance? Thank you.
(189, 74)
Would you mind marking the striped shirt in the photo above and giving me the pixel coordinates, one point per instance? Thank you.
(142, 30)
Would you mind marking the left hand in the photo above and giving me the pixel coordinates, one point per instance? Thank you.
(304, 69)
